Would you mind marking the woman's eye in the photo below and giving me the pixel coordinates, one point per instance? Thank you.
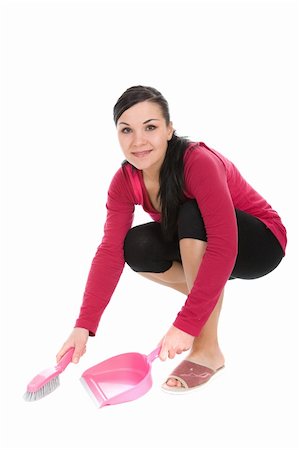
(126, 130)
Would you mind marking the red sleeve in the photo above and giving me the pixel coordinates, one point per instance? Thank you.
(108, 263)
(206, 181)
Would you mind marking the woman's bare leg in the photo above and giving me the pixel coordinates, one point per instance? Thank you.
(205, 349)
(173, 278)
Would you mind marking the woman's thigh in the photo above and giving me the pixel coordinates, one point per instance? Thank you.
(259, 252)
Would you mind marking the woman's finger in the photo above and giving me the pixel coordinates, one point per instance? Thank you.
(62, 351)
(79, 351)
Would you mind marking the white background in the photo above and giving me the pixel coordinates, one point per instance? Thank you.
(230, 73)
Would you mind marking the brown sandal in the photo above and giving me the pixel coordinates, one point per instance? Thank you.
(191, 375)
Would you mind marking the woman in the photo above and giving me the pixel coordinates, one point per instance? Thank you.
(209, 225)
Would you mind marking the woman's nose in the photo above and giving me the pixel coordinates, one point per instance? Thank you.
(139, 138)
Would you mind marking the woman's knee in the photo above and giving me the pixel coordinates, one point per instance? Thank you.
(259, 251)
(143, 248)
(136, 245)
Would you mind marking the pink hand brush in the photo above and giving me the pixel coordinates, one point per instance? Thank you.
(48, 380)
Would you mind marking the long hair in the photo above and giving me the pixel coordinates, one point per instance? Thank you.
(172, 183)
(171, 177)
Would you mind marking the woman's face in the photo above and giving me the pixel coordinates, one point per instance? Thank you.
(143, 136)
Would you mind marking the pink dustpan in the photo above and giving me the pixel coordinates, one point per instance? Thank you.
(119, 379)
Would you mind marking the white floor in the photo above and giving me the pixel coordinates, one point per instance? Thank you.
(252, 404)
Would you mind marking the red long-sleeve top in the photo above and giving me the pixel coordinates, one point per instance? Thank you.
(218, 188)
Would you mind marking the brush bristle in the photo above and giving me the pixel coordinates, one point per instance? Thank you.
(47, 389)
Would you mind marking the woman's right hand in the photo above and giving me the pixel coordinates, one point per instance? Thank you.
(77, 339)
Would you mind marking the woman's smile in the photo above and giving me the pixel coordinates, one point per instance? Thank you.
(142, 153)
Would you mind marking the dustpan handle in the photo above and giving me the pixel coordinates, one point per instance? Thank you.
(153, 355)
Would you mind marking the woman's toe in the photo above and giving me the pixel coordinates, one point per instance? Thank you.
(172, 382)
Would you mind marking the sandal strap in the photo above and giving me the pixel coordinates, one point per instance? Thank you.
(191, 374)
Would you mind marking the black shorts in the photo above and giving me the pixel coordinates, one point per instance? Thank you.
(146, 250)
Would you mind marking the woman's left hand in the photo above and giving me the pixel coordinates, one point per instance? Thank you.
(175, 342)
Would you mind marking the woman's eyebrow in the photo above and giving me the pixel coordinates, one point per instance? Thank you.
(148, 120)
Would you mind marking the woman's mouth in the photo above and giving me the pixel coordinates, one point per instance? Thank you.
(142, 154)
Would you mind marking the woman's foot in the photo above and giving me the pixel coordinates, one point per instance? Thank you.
(212, 359)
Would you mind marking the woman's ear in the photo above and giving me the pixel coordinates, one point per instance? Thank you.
(170, 131)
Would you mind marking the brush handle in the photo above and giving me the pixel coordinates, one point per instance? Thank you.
(65, 360)
(44, 377)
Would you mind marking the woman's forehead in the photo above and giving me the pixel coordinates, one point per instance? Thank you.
(141, 112)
